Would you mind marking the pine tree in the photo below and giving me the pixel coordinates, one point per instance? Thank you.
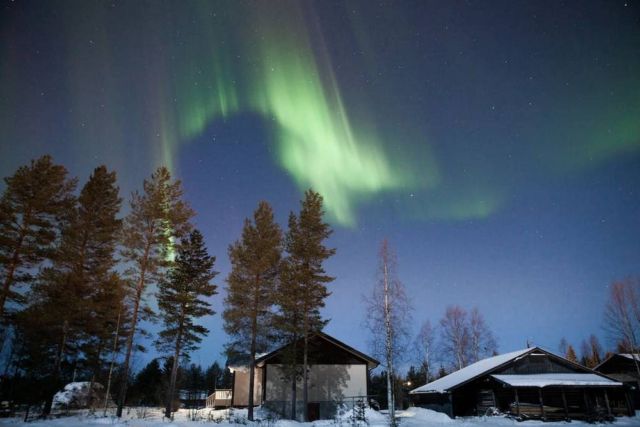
(158, 217)
(596, 351)
(571, 354)
(147, 388)
(194, 381)
(255, 259)
(213, 377)
(181, 302)
(35, 201)
(82, 265)
(112, 320)
(303, 281)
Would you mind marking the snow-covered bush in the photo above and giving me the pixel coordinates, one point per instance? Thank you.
(77, 395)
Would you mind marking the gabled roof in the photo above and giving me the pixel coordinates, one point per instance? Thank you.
(628, 356)
(464, 375)
(370, 361)
(492, 364)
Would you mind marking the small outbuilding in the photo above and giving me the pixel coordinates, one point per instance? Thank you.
(529, 383)
(624, 367)
(337, 373)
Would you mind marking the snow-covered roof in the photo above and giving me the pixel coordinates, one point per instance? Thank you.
(630, 356)
(466, 374)
(565, 379)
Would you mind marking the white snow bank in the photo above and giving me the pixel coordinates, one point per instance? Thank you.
(425, 415)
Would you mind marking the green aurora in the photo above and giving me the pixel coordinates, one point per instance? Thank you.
(317, 142)
(274, 60)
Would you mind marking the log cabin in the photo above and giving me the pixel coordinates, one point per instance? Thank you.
(528, 384)
(625, 368)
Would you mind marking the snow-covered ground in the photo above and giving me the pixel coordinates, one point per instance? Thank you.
(412, 417)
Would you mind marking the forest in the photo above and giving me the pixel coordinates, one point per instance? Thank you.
(81, 282)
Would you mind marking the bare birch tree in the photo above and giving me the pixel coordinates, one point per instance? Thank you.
(388, 318)
(622, 316)
(455, 336)
(424, 347)
(482, 342)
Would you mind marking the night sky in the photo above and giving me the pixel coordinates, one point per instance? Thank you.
(495, 144)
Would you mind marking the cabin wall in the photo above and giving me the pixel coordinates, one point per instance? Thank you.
(439, 402)
(537, 364)
(624, 370)
(475, 398)
(241, 388)
(327, 386)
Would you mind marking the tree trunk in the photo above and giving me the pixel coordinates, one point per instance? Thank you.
(174, 376)
(132, 332)
(252, 370)
(114, 352)
(293, 395)
(56, 367)
(176, 361)
(305, 378)
(389, 348)
(293, 379)
(127, 358)
(253, 350)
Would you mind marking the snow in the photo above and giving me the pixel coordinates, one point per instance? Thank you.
(465, 374)
(630, 356)
(545, 380)
(76, 394)
(412, 417)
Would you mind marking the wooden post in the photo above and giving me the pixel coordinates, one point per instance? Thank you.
(564, 402)
(606, 401)
(541, 403)
(517, 402)
(586, 403)
(630, 408)
(264, 385)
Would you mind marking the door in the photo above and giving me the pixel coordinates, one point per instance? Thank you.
(313, 411)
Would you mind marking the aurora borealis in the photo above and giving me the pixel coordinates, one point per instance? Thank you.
(497, 145)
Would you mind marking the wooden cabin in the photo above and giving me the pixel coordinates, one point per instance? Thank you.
(625, 368)
(529, 383)
(337, 373)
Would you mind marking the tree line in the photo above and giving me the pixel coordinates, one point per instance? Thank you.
(77, 277)
(150, 385)
(78, 282)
